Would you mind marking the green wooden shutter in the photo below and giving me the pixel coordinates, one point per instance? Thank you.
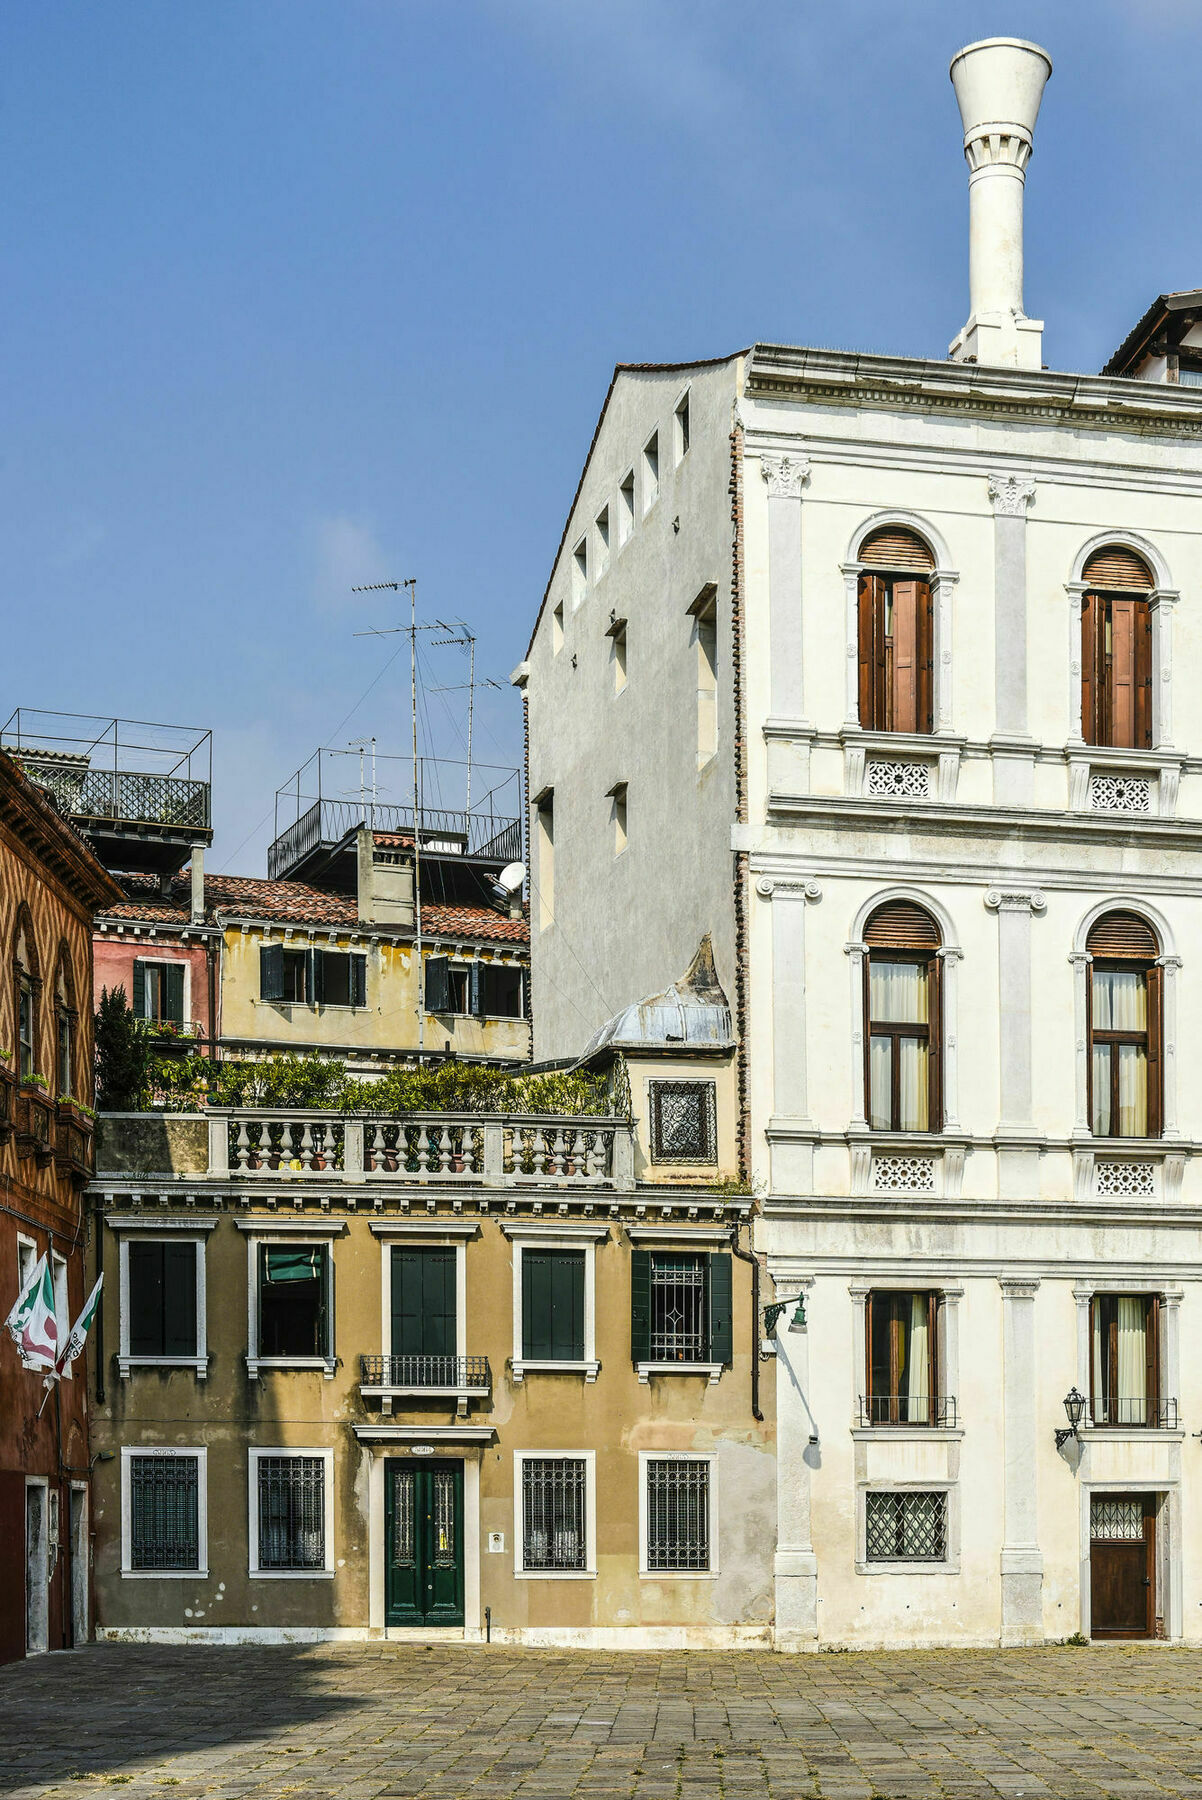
(437, 984)
(536, 1303)
(145, 1299)
(317, 986)
(406, 1302)
(721, 1300)
(640, 1306)
(173, 976)
(271, 971)
(567, 1305)
(139, 1001)
(475, 1003)
(438, 1302)
(179, 1299)
(358, 979)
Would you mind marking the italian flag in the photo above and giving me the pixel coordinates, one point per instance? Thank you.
(32, 1323)
(78, 1337)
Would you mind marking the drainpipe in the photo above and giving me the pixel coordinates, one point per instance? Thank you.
(747, 1257)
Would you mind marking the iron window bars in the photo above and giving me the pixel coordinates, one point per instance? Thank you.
(679, 1308)
(678, 1515)
(553, 1513)
(905, 1525)
(164, 1497)
(684, 1126)
(292, 1528)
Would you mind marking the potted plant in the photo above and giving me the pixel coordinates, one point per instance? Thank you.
(35, 1117)
(74, 1126)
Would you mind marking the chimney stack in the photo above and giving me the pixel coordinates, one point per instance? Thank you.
(999, 84)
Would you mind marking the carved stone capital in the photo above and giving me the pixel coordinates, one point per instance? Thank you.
(1015, 900)
(771, 887)
(1168, 962)
(1011, 495)
(785, 475)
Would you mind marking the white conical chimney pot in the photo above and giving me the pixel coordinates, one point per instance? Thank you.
(999, 84)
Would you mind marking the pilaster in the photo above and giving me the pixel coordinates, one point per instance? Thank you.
(1014, 750)
(1018, 1164)
(792, 1157)
(1022, 1560)
(796, 1566)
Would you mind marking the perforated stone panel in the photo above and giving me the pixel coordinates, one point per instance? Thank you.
(1120, 793)
(903, 1174)
(1131, 1179)
(897, 780)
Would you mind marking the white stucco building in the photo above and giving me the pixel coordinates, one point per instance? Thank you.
(880, 671)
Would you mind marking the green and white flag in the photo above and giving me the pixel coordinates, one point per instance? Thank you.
(32, 1323)
(78, 1337)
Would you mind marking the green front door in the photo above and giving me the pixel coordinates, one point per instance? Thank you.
(423, 1526)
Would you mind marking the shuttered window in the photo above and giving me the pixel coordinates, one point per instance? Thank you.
(553, 1305)
(680, 1307)
(162, 1298)
(1126, 1028)
(904, 1019)
(312, 977)
(1116, 651)
(159, 991)
(895, 633)
(423, 1301)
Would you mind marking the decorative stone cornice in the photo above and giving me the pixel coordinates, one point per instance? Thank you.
(1015, 900)
(1011, 495)
(771, 887)
(785, 475)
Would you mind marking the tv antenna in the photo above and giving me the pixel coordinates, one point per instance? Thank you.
(463, 637)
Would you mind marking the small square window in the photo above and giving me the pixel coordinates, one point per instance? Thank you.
(683, 1121)
(626, 508)
(682, 428)
(650, 473)
(906, 1525)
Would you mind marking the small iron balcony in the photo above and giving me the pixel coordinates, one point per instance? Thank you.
(458, 1375)
(1133, 1415)
(932, 1411)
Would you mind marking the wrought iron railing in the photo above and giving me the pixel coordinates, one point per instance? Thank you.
(454, 1149)
(455, 1372)
(328, 821)
(1136, 1413)
(909, 1409)
(139, 798)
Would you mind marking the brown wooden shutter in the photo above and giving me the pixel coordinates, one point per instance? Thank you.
(1122, 934)
(1143, 675)
(1155, 980)
(935, 1030)
(905, 656)
(1115, 567)
(893, 547)
(1092, 666)
(926, 659)
(871, 625)
(901, 925)
(1121, 673)
(1152, 1350)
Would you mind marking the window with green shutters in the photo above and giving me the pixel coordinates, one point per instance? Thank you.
(553, 1305)
(162, 1298)
(423, 1301)
(159, 991)
(680, 1307)
(312, 977)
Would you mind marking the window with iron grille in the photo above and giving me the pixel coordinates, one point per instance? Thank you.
(292, 1506)
(679, 1309)
(683, 1122)
(554, 1525)
(678, 1514)
(906, 1526)
(164, 1512)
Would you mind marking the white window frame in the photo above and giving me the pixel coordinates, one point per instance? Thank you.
(200, 1452)
(561, 1236)
(259, 1231)
(627, 522)
(173, 962)
(683, 404)
(445, 1235)
(325, 1573)
(950, 1565)
(581, 571)
(684, 1456)
(604, 540)
(650, 494)
(29, 1245)
(589, 1459)
(161, 1231)
(60, 1275)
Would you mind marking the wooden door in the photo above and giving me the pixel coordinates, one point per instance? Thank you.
(423, 1525)
(1122, 1566)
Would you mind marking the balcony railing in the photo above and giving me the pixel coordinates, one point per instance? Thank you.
(425, 1149)
(930, 1410)
(490, 836)
(1133, 1414)
(140, 798)
(426, 1374)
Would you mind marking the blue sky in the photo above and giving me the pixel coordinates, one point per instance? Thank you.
(302, 293)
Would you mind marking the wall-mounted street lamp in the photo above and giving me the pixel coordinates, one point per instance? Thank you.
(772, 1314)
(1074, 1406)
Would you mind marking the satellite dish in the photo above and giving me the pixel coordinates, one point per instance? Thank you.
(512, 877)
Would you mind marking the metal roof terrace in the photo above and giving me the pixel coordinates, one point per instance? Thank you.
(139, 792)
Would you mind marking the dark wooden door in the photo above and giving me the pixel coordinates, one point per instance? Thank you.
(1122, 1566)
(423, 1525)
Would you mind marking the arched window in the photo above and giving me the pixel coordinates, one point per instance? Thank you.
(65, 1017)
(1116, 650)
(26, 983)
(903, 1009)
(1125, 1027)
(895, 632)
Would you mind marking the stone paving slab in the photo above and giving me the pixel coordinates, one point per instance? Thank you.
(394, 1722)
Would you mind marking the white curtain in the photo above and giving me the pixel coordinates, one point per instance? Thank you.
(1133, 1091)
(898, 992)
(1132, 1361)
(1101, 1090)
(1120, 1000)
(914, 1086)
(1101, 1364)
(1120, 1003)
(914, 1380)
(880, 1072)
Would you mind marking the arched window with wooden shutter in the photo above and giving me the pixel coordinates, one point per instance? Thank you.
(904, 1019)
(1116, 650)
(896, 648)
(1126, 1027)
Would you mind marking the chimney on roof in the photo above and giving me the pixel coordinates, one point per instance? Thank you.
(385, 883)
(999, 84)
(198, 884)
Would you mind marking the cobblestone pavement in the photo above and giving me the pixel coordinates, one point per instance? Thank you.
(490, 1724)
